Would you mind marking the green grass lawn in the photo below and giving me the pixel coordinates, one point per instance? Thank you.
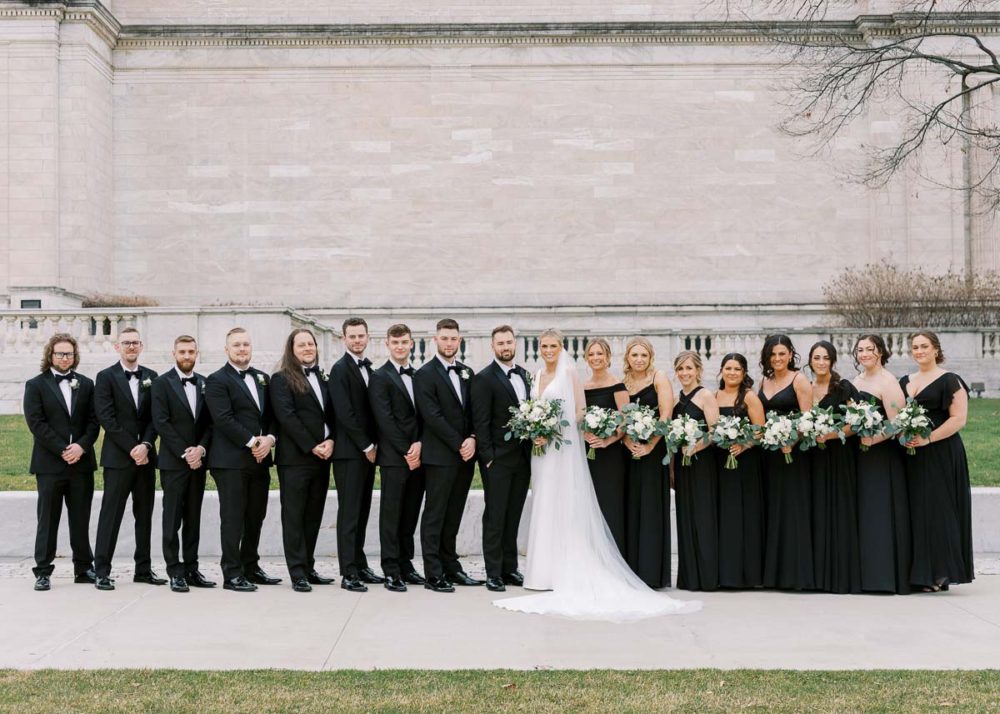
(498, 691)
(981, 436)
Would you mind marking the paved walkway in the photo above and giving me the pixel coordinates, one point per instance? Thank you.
(75, 626)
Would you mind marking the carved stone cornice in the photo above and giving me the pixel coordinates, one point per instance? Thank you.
(89, 12)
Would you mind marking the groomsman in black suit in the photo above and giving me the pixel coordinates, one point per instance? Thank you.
(392, 397)
(505, 465)
(354, 453)
(443, 395)
(240, 460)
(304, 413)
(185, 429)
(122, 403)
(59, 410)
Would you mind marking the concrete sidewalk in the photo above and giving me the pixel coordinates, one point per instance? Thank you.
(75, 626)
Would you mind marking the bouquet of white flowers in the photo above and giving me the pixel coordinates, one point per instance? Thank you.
(732, 431)
(815, 423)
(779, 432)
(535, 418)
(865, 419)
(602, 423)
(911, 422)
(641, 423)
(682, 434)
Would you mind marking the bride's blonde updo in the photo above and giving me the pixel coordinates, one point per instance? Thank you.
(630, 377)
(551, 332)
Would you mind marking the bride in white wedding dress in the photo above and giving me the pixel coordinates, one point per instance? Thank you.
(571, 553)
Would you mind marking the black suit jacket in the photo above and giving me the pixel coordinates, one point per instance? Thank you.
(51, 424)
(125, 427)
(176, 426)
(395, 415)
(236, 418)
(492, 397)
(447, 422)
(355, 424)
(300, 419)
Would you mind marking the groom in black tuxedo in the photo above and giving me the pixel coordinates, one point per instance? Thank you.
(505, 465)
(444, 400)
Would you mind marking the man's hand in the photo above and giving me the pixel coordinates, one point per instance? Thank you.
(140, 455)
(370, 454)
(468, 449)
(193, 455)
(261, 448)
(72, 453)
(324, 449)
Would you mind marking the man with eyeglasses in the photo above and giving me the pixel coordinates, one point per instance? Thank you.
(122, 401)
(59, 410)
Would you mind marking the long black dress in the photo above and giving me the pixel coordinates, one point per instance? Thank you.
(788, 553)
(940, 495)
(836, 554)
(647, 520)
(696, 489)
(609, 467)
(883, 516)
(741, 517)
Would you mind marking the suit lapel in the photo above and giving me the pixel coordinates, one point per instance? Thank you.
(72, 398)
(51, 381)
(504, 380)
(354, 369)
(118, 375)
(443, 373)
(235, 375)
(175, 384)
(261, 392)
(199, 396)
(397, 379)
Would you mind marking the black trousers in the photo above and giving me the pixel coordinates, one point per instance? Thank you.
(355, 479)
(242, 507)
(183, 493)
(399, 511)
(140, 483)
(447, 490)
(76, 490)
(505, 485)
(303, 498)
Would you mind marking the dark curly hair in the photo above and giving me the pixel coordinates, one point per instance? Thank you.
(770, 342)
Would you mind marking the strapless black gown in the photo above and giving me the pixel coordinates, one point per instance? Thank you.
(741, 518)
(608, 470)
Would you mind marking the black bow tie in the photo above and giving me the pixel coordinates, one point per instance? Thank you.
(454, 368)
(311, 370)
(511, 374)
(189, 380)
(407, 371)
(130, 375)
(364, 362)
(243, 373)
(60, 377)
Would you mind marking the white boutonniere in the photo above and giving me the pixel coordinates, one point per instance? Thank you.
(261, 380)
(324, 377)
(466, 374)
(146, 383)
(74, 383)
(202, 385)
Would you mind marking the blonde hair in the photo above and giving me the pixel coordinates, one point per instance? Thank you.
(603, 344)
(551, 332)
(685, 355)
(629, 378)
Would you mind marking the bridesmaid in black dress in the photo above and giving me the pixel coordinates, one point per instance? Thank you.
(788, 554)
(647, 520)
(696, 487)
(741, 497)
(608, 468)
(940, 496)
(836, 556)
(883, 502)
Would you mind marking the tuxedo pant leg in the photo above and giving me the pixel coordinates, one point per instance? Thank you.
(319, 487)
(497, 482)
(175, 487)
(294, 489)
(193, 500)
(360, 559)
(79, 495)
(413, 497)
(440, 480)
(516, 497)
(143, 498)
(350, 477)
(51, 488)
(389, 517)
(118, 484)
(258, 485)
(232, 509)
(457, 497)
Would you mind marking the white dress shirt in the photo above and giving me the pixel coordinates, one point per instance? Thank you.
(248, 379)
(456, 381)
(318, 391)
(407, 379)
(133, 384)
(66, 390)
(516, 381)
(190, 391)
(361, 368)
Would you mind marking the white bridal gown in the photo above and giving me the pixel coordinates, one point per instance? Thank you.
(571, 553)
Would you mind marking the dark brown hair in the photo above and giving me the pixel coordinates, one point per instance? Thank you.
(935, 343)
(398, 330)
(770, 342)
(354, 322)
(291, 366)
(739, 406)
(496, 330)
(883, 351)
(447, 324)
(50, 347)
(836, 385)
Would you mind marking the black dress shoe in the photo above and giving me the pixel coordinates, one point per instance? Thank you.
(460, 578)
(239, 584)
(395, 584)
(513, 578)
(316, 579)
(42, 583)
(496, 585)
(196, 580)
(179, 585)
(261, 578)
(149, 578)
(439, 585)
(414, 578)
(88, 577)
(104, 584)
(301, 585)
(367, 575)
(353, 584)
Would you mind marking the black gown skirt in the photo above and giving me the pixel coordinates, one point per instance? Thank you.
(741, 518)
(836, 554)
(647, 520)
(940, 496)
(883, 517)
(608, 470)
(788, 550)
(696, 490)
